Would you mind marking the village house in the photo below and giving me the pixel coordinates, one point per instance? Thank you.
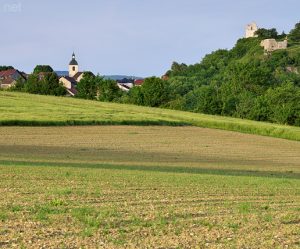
(139, 82)
(126, 84)
(9, 78)
(74, 77)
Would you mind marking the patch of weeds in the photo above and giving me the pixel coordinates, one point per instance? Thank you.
(268, 218)
(121, 238)
(162, 221)
(64, 192)
(89, 217)
(245, 208)
(205, 223)
(265, 207)
(234, 226)
(68, 174)
(88, 232)
(96, 193)
(15, 208)
(290, 219)
(3, 216)
(57, 203)
(42, 212)
(22, 246)
(137, 221)
(178, 230)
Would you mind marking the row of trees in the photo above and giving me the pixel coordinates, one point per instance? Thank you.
(293, 36)
(4, 68)
(43, 81)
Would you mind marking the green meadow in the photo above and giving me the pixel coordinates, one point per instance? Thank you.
(27, 110)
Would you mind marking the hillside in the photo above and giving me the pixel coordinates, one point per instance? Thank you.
(27, 109)
(244, 82)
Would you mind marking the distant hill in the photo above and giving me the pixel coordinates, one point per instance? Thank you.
(120, 77)
(112, 77)
(62, 73)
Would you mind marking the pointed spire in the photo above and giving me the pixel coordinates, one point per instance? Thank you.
(73, 61)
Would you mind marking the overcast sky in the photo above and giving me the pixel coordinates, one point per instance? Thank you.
(133, 37)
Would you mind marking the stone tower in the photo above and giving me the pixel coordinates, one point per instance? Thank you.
(251, 29)
(73, 66)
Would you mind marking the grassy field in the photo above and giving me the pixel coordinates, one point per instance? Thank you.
(26, 109)
(147, 187)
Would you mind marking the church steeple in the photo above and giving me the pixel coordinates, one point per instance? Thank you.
(73, 66)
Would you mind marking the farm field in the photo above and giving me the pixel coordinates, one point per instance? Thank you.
(147, 187)
(29, 109)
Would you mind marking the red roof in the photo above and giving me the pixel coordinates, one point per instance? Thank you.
(138, 82)
(8, 72)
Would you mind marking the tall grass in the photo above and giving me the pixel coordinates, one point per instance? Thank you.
(19, 109)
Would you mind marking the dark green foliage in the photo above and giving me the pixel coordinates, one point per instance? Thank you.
(4, 68)
(42, 69)
(96, 87)
(48, 84)
(203, 99)
(108, 90)
(19, 86)
(283, 103)
(294, 35)
(243, 47)
(88, 86)
(136, 96)
(154, 92)
(267, 33)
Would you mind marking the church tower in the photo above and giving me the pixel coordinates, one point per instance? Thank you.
(73, 66)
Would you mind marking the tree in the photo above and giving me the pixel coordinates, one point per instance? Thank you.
(108, 90)
(48, 85)
(19, 86)
(136, 96)
(204, 100)
(284, 104)
(51, 85)
(87, 87)
(155, 92)
(42, 69)
(294, 35)
(32, 84)
(177, 69)
(4, 68)
(267, 33)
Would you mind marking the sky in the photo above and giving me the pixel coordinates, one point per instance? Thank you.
(130, 37)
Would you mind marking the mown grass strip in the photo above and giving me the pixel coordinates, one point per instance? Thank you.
(161, 169)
